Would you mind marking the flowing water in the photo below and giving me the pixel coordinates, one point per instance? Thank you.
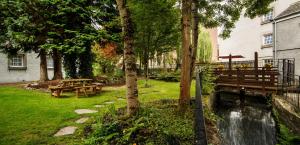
(249, 125)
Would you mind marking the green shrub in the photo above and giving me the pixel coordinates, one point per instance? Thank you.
(156, 123)
(167, 76)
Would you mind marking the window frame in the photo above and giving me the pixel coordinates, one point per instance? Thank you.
(264, 44)
(23, 65)
(267, 18)
(48, 59)
(268, 61)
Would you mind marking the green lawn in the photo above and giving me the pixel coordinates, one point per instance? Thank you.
(32, 117)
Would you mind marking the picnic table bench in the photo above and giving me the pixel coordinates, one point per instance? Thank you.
(57, 90)
(86, 90)
(81, 86)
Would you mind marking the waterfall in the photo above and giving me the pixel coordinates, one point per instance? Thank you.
(247, 126)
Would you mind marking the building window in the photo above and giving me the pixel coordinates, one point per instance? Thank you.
(268, 61)
(50, 64)
(17, 62)
(267, 17)
(267, 40)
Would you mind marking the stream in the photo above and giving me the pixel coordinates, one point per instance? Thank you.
(248, 125)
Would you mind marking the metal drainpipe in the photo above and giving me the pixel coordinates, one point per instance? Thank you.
(275, 39)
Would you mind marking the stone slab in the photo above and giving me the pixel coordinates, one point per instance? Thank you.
(99, 106)
(82, 120)
(66, 131)
(111, 102)
(85, 111)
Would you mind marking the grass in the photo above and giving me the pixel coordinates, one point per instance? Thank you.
(32, 117)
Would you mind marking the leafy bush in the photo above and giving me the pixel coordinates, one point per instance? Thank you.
(167, 76)
(156, 123)
(119, 73)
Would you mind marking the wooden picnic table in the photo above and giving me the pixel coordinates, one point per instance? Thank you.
(76, 82)
(79, 85)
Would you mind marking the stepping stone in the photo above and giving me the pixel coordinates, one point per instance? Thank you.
(109, 102)
(99, 106)
(82, 120)
(85, 111)
(66, 131)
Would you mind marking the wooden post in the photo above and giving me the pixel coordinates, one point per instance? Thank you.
(230, 62)
(283, 73)
(242, 97)
(263, 81)
(299, 82)
(272, 79)
(238, 77)
(230, 65)
(256, 65)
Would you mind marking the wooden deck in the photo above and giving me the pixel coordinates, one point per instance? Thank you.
(256, 79)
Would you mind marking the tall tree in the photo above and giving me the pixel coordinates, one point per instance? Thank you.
(184, 97)
(130, 58)
(25, 29)
(154, 35)
(57, 62)
(44, 26)
(71, 32)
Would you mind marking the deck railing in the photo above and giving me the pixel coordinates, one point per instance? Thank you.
(260, 78)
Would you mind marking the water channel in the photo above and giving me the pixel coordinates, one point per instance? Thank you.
(251, 124)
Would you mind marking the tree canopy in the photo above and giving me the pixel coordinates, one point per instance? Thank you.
(214, 13)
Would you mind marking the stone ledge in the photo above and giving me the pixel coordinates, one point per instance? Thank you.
(287, 114)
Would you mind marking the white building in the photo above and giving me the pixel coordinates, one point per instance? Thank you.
(287, 36)
(23, 67)
(254, 35)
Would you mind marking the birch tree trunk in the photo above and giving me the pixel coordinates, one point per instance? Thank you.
(130, 60)
(184, 97)
(43, 66)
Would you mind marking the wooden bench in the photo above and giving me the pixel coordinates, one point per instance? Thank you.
(98, 86)
(56, 90)
(86, 90)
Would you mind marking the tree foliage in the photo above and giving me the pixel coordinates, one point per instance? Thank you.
(204, 50)
(106, 57)
(157, 27)
(69, 27)
(214, 13)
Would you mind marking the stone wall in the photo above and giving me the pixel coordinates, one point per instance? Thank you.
(287, 114)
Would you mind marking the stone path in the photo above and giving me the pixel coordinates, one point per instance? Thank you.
(82, 120)
(85, 111)
(66, 131)
(71, 129)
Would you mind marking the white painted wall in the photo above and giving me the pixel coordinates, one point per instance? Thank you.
(32, 73)
(247, 37)
(288, 41)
